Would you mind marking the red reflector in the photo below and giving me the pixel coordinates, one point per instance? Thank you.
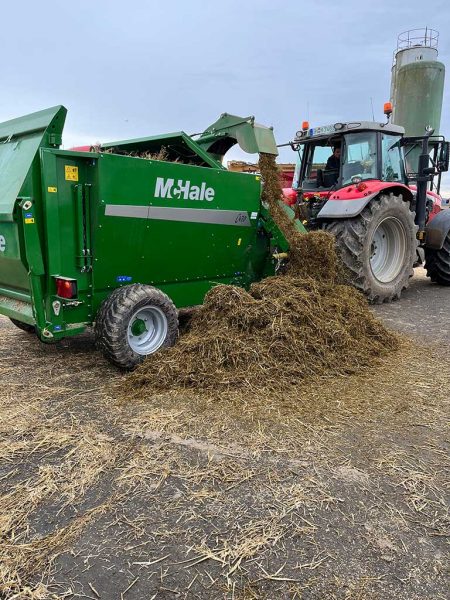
(361, 187)
(66, 288)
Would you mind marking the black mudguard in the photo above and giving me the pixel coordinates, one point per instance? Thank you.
(437, 230)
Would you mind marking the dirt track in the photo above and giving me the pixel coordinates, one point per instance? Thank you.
(336, 491)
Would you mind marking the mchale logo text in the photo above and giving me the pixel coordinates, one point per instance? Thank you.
(183, 190)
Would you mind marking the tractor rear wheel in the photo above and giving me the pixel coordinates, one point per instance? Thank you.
(378, 247)
(23, 326)
(133, 322)
(437, 263)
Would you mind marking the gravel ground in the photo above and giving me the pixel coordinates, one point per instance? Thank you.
(337, 490)
(423, 312)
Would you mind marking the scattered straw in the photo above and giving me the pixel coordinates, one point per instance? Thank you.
(231, 496)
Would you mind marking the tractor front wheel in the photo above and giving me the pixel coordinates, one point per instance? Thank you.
(437, 263)
(133, 322)
(378, 247)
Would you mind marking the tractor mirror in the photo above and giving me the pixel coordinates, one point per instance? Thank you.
(444, 157)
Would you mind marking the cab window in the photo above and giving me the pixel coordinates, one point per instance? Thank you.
(391, 169)
(360, 157)
(318, 156)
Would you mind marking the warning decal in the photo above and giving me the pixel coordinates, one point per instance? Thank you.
(71, 173)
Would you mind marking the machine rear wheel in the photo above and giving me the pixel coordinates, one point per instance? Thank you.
(23, 326)
(378, 247)
(437, 263)
(135, 321)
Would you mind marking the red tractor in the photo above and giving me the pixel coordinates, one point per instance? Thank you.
(355, 180)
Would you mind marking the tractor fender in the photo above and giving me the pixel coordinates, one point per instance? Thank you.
(341, 207)
(437, 230)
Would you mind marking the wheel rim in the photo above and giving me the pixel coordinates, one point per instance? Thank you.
(147, 330)
(388, 250)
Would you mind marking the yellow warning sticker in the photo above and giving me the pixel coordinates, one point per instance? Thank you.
(71, 173)
(52, 190)
(29, 221)
(239, 241)
(257, 178)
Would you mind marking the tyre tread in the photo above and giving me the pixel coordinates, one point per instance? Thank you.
(351, 235)
(437, 263)
(113, 317)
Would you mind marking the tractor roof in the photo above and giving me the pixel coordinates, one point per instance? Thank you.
(326, 131)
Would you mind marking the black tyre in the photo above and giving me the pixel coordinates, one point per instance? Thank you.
(23, 326)
(133, 322)
(378, 247)
(437, 263)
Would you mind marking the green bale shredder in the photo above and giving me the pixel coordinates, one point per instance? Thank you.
(111, 239)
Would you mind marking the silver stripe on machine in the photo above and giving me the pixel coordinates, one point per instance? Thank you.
(189, 215)
(125, 210)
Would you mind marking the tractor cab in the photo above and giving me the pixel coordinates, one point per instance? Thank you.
(335, 156)
(377, 192)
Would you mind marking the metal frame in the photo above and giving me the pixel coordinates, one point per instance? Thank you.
(422, 37)
(435, 141)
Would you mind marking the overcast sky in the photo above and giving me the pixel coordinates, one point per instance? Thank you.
(130, 68)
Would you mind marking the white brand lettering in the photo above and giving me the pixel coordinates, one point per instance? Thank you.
(2, 243)
(194, 193)
(184, 190)
(163, 188)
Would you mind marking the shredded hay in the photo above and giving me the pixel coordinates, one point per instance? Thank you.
(162, 153)
(310, 255)
(283, 330)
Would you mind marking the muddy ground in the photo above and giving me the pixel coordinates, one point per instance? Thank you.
(336, 490)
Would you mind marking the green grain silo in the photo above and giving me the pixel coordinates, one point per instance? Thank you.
(417, 84)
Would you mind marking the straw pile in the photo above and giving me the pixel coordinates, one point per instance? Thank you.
(281, 331)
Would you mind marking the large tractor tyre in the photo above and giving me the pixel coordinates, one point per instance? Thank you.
(23, 326)
(437, 263)
(135, 321)
(378, 247)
